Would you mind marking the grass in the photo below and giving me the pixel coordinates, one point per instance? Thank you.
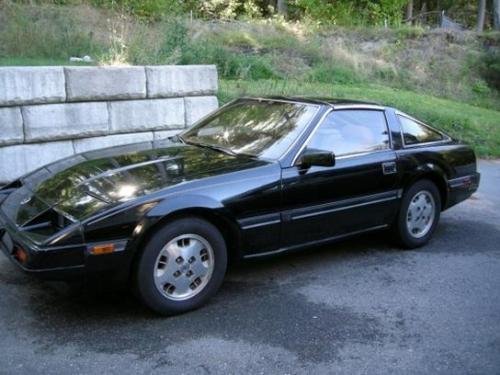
(479, 127)
(44, 32)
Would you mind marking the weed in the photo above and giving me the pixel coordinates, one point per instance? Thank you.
(57, 34)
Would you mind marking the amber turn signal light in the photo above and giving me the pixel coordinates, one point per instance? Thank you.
(102, 249)
(21, 255)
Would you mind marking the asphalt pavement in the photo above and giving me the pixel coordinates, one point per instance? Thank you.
(361, 306)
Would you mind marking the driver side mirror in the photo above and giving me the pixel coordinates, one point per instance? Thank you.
(317, 157)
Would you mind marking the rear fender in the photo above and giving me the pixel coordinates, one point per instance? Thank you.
(436, 174)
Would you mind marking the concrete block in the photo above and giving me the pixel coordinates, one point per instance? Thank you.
(161, 138)
(164, 134)
(27, 85)
(181, 80)
(102, 83)
(141, 115)
(18, 160)
(88, 144)
(11, 126)
(61, 121)
(199, 107)
(113, 151)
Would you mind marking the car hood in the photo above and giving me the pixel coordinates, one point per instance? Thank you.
(85, 184)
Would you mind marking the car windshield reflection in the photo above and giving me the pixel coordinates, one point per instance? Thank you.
(264, 129)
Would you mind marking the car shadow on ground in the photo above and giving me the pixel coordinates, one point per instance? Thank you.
(452, 237)
(255, 309)
(257, 303)
(105, 298)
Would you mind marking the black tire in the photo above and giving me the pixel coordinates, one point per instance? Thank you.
(146, 266)
(402, 234)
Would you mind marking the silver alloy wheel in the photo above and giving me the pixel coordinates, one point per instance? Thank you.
(184, 267)
(420, 214)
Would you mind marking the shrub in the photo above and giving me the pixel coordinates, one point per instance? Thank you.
(354, 13)
(333, 73)
(480, 87)
(231, 64)
(151, 9)
(490, 69)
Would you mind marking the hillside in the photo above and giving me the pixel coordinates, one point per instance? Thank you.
(408, 67)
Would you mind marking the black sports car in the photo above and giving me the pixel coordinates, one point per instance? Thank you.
(260, 176)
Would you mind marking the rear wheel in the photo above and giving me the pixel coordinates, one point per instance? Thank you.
(182, 266)
(418, 215)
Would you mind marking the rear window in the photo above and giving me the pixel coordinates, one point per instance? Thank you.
(415, 133)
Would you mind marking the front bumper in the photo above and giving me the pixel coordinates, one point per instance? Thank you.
(61, 262)
(67, 259)
(50, 263)
(71, 262)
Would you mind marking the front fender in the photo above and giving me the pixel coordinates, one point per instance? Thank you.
(172, 205)
(192, 204)
(182, 202)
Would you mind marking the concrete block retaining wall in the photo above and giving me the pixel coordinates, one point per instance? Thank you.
(47, 113)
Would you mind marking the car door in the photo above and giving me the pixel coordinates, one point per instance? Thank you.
(358, 193)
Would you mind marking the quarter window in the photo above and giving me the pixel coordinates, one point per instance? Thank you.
(414, 133)
(346, 132)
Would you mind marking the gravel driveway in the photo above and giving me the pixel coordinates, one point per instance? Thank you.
(361, 306)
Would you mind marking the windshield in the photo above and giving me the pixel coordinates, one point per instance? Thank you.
(264, 129)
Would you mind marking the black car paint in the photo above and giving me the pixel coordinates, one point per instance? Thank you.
(262, 207)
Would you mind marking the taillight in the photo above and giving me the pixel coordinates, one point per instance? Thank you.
(20, 255)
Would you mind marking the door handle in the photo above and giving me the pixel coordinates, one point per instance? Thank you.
(389, 167)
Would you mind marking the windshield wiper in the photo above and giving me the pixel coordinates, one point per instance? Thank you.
(176, 138)
(211, 147)
(216, 148)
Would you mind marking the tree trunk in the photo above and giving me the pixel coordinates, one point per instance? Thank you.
(481, 10)
(423, 11)
(282, 7)
(409, 11)
(496, 14)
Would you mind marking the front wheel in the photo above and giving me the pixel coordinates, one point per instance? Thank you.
(419, 214)
(182, 266)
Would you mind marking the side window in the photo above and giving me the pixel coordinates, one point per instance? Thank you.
(348, 132)
(414, 133)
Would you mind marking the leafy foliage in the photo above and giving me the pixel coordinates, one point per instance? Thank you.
(325, 12)
(358, 12)
(150, 9)
(491, 68)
